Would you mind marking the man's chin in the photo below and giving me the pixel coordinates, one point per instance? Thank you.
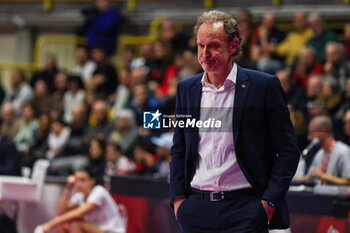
(208, 68)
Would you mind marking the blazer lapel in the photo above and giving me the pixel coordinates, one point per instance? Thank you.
(242, 86)
(195, 100)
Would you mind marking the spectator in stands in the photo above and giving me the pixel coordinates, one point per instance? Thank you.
(250, 50)
(346, 127)
(103, 127)
(321, 37)
(316, 108)
(10, 159)
(178, 40)
(336, 64)
(61, 85)
(9, 125)
(145, 159)
(138, 76)
(121, 98)
(314, 87)
(145, 60)
(21, 91)
(163, 145)
(269, 38)
(347, 40)
(58, 138)
(104, 80)
(101, 26)
(141, 100)
(48, 73)
(305, 66)
(168, 106)
(90, 209)
(73, 155)
(295, 95)
(42, 102)
(126, 131)
(331, 164)
(329, 96)
(25, 136)
(159, 64)
(40, 145)
(117, 163)
(244, 15)
(97, 160)
(345, 102)
(84, 67)
(300, 127)
(2, 94)
(78, 127)
(171, 72)
(75, 95)
(291, 46)
(192, 65)
(128, 55)
(168, 30)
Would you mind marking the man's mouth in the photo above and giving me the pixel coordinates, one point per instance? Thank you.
(207, 61)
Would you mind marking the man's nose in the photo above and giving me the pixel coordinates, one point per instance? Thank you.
(206, 52)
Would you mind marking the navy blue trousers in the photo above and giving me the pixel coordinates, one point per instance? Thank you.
(241, 215)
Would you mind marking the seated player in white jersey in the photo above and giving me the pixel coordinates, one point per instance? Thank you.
(91, 209)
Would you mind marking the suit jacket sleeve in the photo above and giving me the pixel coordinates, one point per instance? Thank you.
(178, 150)
(11, 167)
(284, 142)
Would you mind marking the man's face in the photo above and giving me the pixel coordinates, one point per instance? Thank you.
(81, 55)
(140, 94)
(16, 78)
(347, 123)
(123, 123)
(7, 113)
(214, 51)
(300, 21)
(61, 81)
(102, 5)
(269, 20)
(314, 86)
(315, 132)
(317, 26)
(332, 54)
(100, 111)
(307, 57)
(50, 63)
(347, 31)
(347, 88)
(97, 55)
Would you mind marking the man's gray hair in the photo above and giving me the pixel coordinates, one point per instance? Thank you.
(323, 123)
(337, 45)
(230, 25)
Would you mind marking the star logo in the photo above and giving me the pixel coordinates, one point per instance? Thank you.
(151, 119)
(156, 115)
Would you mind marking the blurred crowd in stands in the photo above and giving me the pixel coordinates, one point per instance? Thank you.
(94, 113)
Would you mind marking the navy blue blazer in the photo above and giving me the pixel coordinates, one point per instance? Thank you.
(264, 140)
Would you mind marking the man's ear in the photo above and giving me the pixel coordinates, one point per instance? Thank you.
(234, 45)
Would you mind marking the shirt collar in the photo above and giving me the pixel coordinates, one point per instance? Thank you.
(229, 81)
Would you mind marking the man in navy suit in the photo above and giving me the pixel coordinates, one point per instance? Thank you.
(233, 179)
